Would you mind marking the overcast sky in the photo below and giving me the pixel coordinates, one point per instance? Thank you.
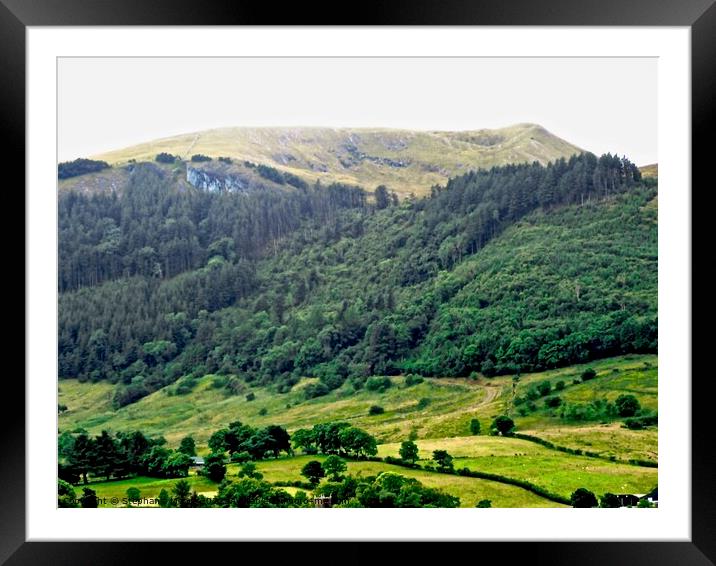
(598, 104)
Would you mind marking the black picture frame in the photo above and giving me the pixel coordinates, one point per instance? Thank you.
(699, 15)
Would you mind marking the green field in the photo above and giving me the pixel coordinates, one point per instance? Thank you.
(470, 490)
(452, 403)
(442, 423)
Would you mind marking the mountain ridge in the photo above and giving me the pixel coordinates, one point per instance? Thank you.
(407, 161)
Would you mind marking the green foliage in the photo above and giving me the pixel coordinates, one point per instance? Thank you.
(641, 422)
(588, 374)
(544, 388)
(443, 461)
(164, 498)
(627, 405)
(597, 410)
(376, 410)
(412, 379)
(88, 498)
(66, 496)
(313, 471)
(80, 166)
(187, 446)
(553, 402)
(609, 501)
(164, 157)
(503, 425)
(250, 492)
(389, 489)
(334, 466)
(198, 157)
(336, 288)
(215, 466)
(249, 470)
(133, 494)
(379, 384)
(474, 426)
(484, 504)
(582, 498)
(408, 451)
(180, 493)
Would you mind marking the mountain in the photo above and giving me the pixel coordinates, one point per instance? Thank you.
(517, 268)
(407, 161)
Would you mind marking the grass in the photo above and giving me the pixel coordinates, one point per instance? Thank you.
(453, 402)
(427, 158)
(441, 424)
(469, 490)
(635, 375)
(149, 488)
(607, 440)
(555, 471)
(207, 409)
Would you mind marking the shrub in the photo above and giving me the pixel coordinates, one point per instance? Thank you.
(412, 379)
(610, 501)
(559, 385)
(314, 390)
(484, 504)
(377, 384)
(627, 405)
(583, 498)
(424, 402)
(474, 426)
(443, 461)
(164, 157)
(376, 410)
(79, 167)
(225, 159)
(588, 374)
(263, 411)
(251, 396)
(553, 402)
(198, 157)
(533, 393)
(544, 388)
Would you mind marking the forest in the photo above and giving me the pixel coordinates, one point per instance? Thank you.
(159, 282)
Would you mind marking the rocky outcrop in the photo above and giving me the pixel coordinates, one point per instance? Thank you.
(215, 181)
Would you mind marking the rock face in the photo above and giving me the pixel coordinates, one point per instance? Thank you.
(215, 181)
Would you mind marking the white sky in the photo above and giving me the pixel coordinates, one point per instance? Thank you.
(598, 104)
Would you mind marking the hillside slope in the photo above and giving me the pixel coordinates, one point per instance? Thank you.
(407, 161)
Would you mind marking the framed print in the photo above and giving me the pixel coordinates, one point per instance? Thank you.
(427, 272)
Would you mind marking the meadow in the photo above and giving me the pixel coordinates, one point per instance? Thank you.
(436, 413)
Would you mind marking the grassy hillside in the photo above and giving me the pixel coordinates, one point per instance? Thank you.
(407, 161)
(650, 170)
(450, 405)
(436, 412)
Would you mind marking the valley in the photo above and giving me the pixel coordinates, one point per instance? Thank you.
(456, 318)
